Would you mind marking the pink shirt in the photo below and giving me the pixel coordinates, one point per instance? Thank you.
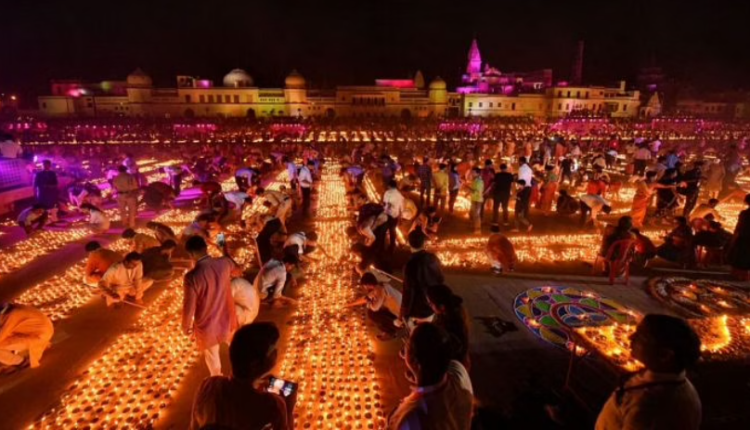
(208, 306)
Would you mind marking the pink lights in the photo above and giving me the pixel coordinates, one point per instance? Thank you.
(395, 83)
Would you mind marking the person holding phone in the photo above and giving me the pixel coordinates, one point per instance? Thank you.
(246, 399)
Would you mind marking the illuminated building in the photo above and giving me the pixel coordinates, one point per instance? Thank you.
(484, 92)
(490, 92)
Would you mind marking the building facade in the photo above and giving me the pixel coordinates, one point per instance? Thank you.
(485, 92)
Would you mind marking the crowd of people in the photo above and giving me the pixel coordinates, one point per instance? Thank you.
(402, 189)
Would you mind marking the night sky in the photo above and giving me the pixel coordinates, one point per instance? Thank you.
(354, 42)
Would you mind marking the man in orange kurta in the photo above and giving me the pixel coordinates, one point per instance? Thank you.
(23, 329)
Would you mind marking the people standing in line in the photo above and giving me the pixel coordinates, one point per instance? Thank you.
(393, 202)
(208, 307)
(660, 396)
(126, 187)
(305, 179)
(421, 272)
(45, 186)
(442, 185)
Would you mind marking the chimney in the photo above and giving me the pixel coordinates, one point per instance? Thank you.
(623, 87)
(577, 75)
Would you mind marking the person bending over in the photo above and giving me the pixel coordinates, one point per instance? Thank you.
(23, 330)
(98, 262)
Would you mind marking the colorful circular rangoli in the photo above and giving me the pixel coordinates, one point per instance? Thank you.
(552, 312)
(701, 297)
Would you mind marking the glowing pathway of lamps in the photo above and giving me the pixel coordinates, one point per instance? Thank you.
(329, 351)
(135, 379)
(722, 337)
(58, 296)
(16, 256)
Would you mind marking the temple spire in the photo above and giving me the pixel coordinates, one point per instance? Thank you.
(475, 59)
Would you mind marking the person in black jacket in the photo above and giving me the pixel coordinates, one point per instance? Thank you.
(421, 272)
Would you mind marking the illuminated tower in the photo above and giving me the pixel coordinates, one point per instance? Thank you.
(475, 59)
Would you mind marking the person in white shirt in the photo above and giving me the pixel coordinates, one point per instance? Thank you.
(9, 148)
(524, 171)
(238, 199)
(443, 395)
(243, 177)
(591, 206)
(660, 396)
(278, 200)
(300, 244)
(291, 170)
(98, 220)
(304, 177)
(246, 300)
(393, 202)
(124, 279)
(274, 277)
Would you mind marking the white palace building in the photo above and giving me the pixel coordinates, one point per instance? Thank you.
(485, 92)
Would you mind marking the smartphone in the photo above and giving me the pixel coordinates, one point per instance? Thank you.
(280, 386)
(221, 239)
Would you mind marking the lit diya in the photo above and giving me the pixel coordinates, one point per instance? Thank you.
(701, 297)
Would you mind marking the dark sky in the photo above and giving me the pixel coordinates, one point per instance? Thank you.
(346, 42)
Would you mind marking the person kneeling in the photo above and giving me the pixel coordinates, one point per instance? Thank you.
(500, 252)
(239, 401)
(125, 279)
(23, 329)
(383, 304)
(273, 279)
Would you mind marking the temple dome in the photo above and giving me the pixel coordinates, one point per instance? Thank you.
(139, 79)
(295, 80)
(438, 84)
(238, 78)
